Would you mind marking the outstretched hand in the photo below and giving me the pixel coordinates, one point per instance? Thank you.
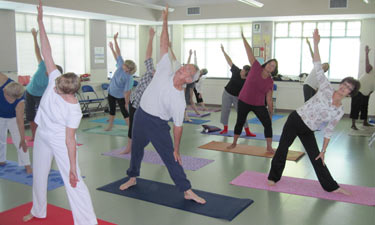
(367, 49)
(116, 35)
(177, 157)
(23, 145)
(222, 47)
(316, 36)
(110, 44)
(321, 156)
(165, 13)
(40, 11)
(190, 52)
(34, 32)
(73, 178)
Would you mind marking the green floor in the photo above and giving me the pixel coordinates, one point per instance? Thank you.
(349, 159)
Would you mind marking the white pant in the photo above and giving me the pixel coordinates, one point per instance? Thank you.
(47, 146)
(11, 125)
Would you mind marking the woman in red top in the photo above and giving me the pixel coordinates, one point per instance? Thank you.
(258, 86)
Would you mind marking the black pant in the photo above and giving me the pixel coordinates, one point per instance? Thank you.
(260, 111)
(112, 106)
(197, 96)
(131, 118)
(294, 127)
(308, 92)
(359, 105)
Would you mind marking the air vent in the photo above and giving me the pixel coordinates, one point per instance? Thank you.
(194, 11)
(338, 4)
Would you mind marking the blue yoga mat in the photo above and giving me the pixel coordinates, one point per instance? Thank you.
(217, 206)
(104, 120)
(255, 120)
(11, 171)
(260, 136)
(194, 121)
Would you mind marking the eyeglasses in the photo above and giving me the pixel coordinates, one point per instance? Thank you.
(348, 86)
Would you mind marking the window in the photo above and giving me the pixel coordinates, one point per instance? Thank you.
(66, 36)
(339, 45)
(206, 39)
(127, 42)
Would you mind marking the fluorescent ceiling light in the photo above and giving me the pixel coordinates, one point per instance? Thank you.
(252, 3)
(143, 4)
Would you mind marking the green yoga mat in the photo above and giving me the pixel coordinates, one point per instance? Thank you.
(100, 130)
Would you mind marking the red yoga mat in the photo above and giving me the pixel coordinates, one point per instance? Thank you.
(55, 216)
(298, 186)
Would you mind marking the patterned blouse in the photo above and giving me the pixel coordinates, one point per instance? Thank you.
(319, 112)
(135, 96)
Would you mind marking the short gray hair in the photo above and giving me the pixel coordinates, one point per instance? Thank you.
(14, 90)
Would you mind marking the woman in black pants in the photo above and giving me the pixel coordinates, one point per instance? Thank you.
(325, 107)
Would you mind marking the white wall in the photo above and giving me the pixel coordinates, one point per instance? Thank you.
(8, 46)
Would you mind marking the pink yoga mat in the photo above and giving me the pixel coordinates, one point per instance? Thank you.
(28, 142)
(298, 186)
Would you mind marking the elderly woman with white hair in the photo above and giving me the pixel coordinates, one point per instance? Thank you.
(11, 118)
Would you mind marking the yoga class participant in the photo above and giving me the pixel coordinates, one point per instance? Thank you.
(58, 118)
(12, 119)
(324, 109)
(120, 86)
(189, 93)
(135, 96)
(162, 100)
(198, 84)
(258, 86)
(231, 92)
(360, 101)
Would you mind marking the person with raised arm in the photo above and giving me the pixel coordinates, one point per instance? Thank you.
(12, 119)
(120, 86)
(198, 84)
(136, 94)
(360, 101)
(231, 92)
(324, 109)
(58, 118)
(189, 93)
(311, 85)
(258, 86)
(162, 100)
(36, 87)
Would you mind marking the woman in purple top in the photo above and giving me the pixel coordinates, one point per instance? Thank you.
(258, 86)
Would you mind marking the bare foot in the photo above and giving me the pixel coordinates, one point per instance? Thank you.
(342, 191)
(131, 182)
(28, 169)
(3, 163)
(190, 195)
(232, 146)
(28, 217)
(354, 127)
(126, 151)
(109, 128)
(270, 150)
(271, 183)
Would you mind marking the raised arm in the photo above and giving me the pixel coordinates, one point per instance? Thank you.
(189, 58)
(195, 58)
(44, 42)
(164, 38)
(249, 51)
(172, 53)
(229, 60)
(316, 57)
(151, 34)
(112, 50)
(117, 48)
(36, 45)
(311, 51)
(368, 65)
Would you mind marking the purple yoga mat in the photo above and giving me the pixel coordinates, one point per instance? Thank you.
(193, 114)
(298, 186)
(188, 162)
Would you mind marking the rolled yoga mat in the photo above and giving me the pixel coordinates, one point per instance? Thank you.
(217, 206)
(188, 162)
(298, 186)
(248, 150)
(55, 216)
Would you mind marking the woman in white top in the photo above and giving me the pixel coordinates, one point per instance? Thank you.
(323, 109)
(58, 118)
